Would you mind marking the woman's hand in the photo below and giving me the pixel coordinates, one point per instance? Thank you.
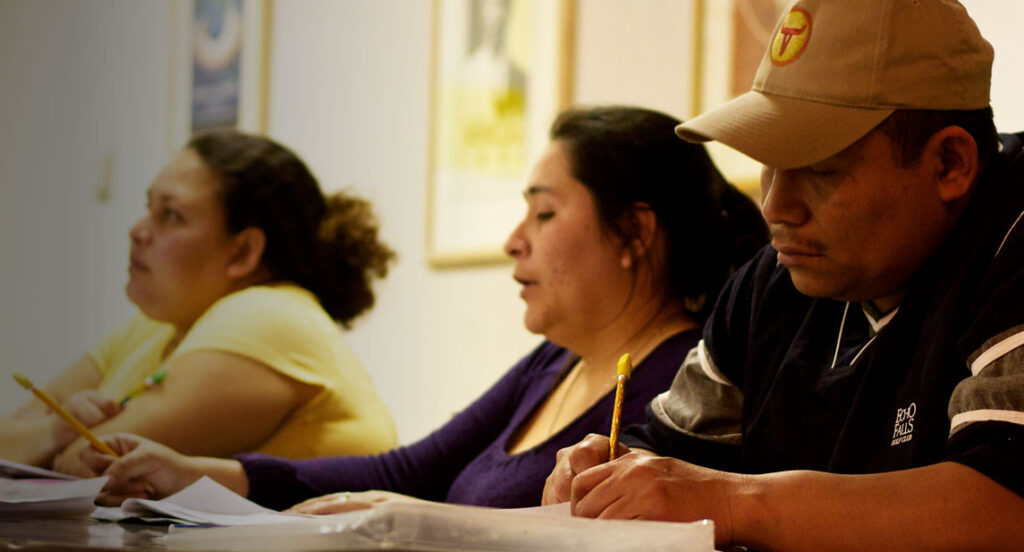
(89, 407)
(68, 460)
(338, 503)
(146, 469)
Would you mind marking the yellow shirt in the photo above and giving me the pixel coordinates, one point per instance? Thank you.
(284, 328)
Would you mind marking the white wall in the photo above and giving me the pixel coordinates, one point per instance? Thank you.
(82, 87)
(1000, 22)
(635, 53)
(349, 91)
(85, 82)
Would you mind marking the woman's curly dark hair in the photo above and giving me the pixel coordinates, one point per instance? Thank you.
(328, 245)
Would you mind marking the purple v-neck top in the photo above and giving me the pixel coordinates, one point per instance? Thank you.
(465, 461)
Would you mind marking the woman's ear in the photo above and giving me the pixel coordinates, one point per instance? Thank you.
(955, 158)
(249, 246)
(644, 224)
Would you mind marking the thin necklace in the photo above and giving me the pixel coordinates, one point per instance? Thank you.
(577, 369)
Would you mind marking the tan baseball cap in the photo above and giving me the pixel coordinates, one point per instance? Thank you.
(835, 69)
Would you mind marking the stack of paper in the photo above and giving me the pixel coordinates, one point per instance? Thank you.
(17, 470)
(48, 497)
(205, 502)
(409, 526)
(433, 527)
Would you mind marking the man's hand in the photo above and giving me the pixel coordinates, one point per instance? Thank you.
(590, 452)
(641, 485)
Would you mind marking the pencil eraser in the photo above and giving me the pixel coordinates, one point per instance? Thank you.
(625, 365)
(22, 380)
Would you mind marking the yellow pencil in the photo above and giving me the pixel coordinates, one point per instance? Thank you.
(625, 368)
(65, 415)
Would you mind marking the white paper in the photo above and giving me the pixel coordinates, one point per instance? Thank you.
(559, 510)
(35, 497)
(431, 527)
(204, 502)
(413, 526)
(18, 470)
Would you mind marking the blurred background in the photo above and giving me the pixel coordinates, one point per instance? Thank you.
(89, 97)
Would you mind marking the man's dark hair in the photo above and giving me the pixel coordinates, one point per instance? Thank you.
(910, 129)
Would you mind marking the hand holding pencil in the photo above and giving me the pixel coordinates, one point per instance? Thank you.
(589, 453)
(625, 368)
(64, 415)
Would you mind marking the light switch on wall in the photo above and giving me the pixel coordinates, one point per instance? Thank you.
(105, 185)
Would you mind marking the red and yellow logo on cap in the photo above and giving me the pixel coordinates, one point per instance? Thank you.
(792, 38)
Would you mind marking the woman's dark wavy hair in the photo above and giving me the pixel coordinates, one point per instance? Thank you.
(628, 155)
(327, 245)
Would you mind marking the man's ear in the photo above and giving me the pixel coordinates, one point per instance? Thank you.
(249, 246)
(955, 158)
(645, 224)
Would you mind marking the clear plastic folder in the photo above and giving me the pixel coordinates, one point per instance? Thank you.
(425, 526)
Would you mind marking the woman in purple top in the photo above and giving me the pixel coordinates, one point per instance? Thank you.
(629, 234)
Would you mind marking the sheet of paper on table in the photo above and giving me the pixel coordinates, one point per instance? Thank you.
(205, 502)
(426, 526)
(408, 526)
(48, 497)
(430, 526)
(17, 470)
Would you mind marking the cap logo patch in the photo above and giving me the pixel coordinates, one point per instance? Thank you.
(792, 38)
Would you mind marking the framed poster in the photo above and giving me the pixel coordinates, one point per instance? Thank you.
(730, 39)
(500, 75)
(219, 50)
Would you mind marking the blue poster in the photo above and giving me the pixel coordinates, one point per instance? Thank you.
(216, 60)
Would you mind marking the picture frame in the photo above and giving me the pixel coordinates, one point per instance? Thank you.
(730, 37)
(500, 73)
(219, 67)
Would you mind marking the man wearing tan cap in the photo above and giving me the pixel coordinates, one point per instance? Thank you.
(860, 384)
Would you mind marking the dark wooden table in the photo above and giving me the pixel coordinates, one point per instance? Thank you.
(80, 533)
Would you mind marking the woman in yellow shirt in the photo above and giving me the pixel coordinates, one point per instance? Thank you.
(241, 270)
